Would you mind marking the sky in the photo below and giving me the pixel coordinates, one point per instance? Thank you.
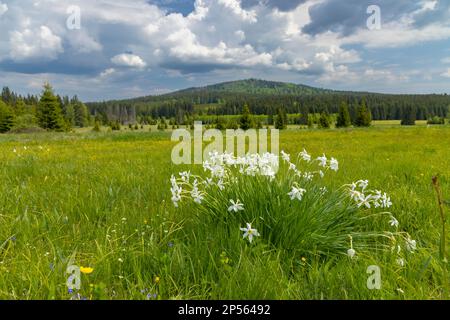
(105, 49)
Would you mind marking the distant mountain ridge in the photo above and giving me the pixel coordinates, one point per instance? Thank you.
(256, 86)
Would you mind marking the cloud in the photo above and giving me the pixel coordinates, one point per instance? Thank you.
(128, 60)
(446, 73)
(314, 40)
(107, 72)
(3, 8)
(41, 43)
(283, 5)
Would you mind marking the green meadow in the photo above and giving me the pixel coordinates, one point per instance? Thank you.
(103, 201)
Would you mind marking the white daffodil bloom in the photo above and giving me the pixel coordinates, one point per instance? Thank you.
(322, 161)
(386, 201)
(334, 164)
(305, 156)
(249, 232)
(285, 156)
(355, 195)
(176, 191)
(364, 201)
(351, 253)
(411, 245)
(220, 184)
(363, 184)
(296, 193)
(308, 176)
(236, 206)
(185, 176)
(393, 222)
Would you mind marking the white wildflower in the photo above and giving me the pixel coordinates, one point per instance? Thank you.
(322, 161)
(411, 245)
(236, 206)
(305, 156)
(296, 193)
(364, 201)
(393, 222)
(285, 156)
(249, 232)
(185, 176)
(334, 164)
(363, 184)
(351, 253)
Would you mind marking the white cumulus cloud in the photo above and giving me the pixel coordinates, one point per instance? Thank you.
(39, 43)
(128, 60)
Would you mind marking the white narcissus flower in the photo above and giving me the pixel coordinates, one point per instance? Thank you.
(355, 195)
(393, 222)
(285, 156)
(249, 232)
(363, 184)
(185, 176)
(236, 206)
(296, 193)
(334, 164)
(305, 156)
(322, 161)
(364, 201)
(351, 253)
(220, 184)
(411, 245)
(386, 201)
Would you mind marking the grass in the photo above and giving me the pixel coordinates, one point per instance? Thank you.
(103, 200)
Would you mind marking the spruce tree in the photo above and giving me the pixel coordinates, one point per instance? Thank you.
(6, 117)
(363, 116)
(280, 121)
(408, 117)
(310, 121)
(49, 112)
(80, 112)
(324, 120)
(343, 118)
(246, 121)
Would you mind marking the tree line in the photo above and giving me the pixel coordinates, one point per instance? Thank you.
(47, 112)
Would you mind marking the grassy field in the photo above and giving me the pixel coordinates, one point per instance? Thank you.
(102, 200)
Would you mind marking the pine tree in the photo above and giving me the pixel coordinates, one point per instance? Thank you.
(343, 118)
(363, 116)
(324, 120)
(80, 112)
(49, 113)
(6, 117)
(20, 108)
(310, 121)
(246, 122)
(280, 121)
(408, 117)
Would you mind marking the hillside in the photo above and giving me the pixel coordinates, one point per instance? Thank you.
(256, 86)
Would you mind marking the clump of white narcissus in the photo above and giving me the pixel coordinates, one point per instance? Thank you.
(289, 205)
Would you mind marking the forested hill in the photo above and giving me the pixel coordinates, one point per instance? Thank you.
(255, 86)
(266, 97)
